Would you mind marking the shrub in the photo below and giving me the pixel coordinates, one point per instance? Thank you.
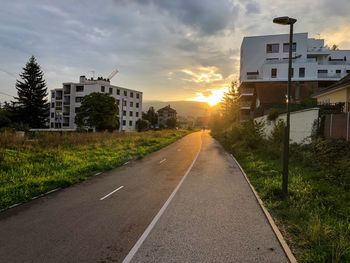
(273, 114)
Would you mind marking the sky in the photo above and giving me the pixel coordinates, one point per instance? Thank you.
(168, 49)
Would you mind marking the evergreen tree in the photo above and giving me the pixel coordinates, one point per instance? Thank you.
(31, 104)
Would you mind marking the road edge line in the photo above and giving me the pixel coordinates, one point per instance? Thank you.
(148, 230)
(288, 252)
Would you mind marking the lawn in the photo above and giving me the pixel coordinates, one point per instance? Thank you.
(315, 219)
(36, 164)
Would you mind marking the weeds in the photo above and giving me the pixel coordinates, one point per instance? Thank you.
(40, 162)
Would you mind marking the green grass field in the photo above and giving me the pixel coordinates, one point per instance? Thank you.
(315, 219)
(45, 161)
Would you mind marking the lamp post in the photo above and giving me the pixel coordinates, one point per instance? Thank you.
(285, 20)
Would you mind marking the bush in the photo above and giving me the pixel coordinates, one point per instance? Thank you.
(273, 114)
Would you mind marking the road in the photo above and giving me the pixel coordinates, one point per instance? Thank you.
(213, 216)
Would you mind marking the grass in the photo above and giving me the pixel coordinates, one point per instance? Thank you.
(44, 161)
(315, 219)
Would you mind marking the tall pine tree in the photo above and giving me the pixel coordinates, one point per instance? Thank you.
(31, 104)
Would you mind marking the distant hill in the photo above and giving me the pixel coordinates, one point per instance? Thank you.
(183, 108)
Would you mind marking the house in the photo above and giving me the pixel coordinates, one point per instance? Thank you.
(339, 92)
(66, 101)
(165, 114)
(264, 70)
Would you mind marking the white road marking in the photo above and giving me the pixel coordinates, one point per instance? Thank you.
(111, 193)
(126, 163)
(163, 160)
(97, 174)
(139, 242)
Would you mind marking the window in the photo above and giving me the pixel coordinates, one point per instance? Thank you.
(52, 105)
(137, 95)
(137, 114)
(52, 94)
(125, 93)
(124, 103)
(273, 72)
(102, 88)
(338, 71)
(52, 115)
(137, 104)
(78, 99)
(131, 94)
(118, 102)
(124, 122)
(124, 112)
(130, 123)
(130, 113)
(272, 48)
(286, 47)
(272, 59)
(79, 88)
(118, 91)
(348, 71)
(51, 124)
(77, 109)
(131, 104)
(301, 72)
(110, 90)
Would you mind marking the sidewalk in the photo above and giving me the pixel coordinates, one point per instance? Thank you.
(214, 217)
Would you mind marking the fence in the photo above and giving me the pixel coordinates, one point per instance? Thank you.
(301, 124)
(337, 126)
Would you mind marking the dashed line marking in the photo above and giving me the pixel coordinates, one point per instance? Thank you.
(102, 198)
(162, 160)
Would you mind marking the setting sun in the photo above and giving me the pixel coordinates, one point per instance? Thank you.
(212, 98)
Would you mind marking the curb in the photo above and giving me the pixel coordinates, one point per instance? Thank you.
(269, 218)
(33, 198)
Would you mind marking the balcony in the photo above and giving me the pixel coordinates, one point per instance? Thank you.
(329, 75)
(245, 105)
(246, 92)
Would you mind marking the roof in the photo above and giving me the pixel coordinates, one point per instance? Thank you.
(343, 83)
(168, 108)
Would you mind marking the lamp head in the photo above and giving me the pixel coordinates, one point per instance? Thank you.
(284, 20)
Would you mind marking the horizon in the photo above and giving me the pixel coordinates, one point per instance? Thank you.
(187, 51)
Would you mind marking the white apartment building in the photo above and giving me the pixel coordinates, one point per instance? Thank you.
(66, 101)
(264, 68)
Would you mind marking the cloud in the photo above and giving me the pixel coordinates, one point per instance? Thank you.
(203, 74)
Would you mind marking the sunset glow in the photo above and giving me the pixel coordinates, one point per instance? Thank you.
(212, 97)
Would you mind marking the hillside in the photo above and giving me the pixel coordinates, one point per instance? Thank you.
(183, 108)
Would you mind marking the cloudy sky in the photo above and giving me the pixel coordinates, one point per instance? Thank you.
(169, 49)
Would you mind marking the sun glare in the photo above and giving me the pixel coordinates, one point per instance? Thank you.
(213, 98)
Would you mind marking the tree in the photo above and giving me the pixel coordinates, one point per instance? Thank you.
(142, 125)
(171, 123)
(151, 116)
(99, 111)
(31, 104)
(335, 47)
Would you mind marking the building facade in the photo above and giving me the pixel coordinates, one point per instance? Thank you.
(66, 101)
(165, 114)
(264, 70)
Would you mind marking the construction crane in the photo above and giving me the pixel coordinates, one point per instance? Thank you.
(114, 72)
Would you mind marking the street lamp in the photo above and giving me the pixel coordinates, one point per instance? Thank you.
(285, 20)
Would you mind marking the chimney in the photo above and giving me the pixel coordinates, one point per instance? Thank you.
(82, 79)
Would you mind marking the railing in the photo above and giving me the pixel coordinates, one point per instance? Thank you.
(329, 75)
(245, 104)
(294, 61)
(254, 76)
(334, 62)
(246, 91)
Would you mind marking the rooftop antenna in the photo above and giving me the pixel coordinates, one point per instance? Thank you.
(319, 35)
(114, 72)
